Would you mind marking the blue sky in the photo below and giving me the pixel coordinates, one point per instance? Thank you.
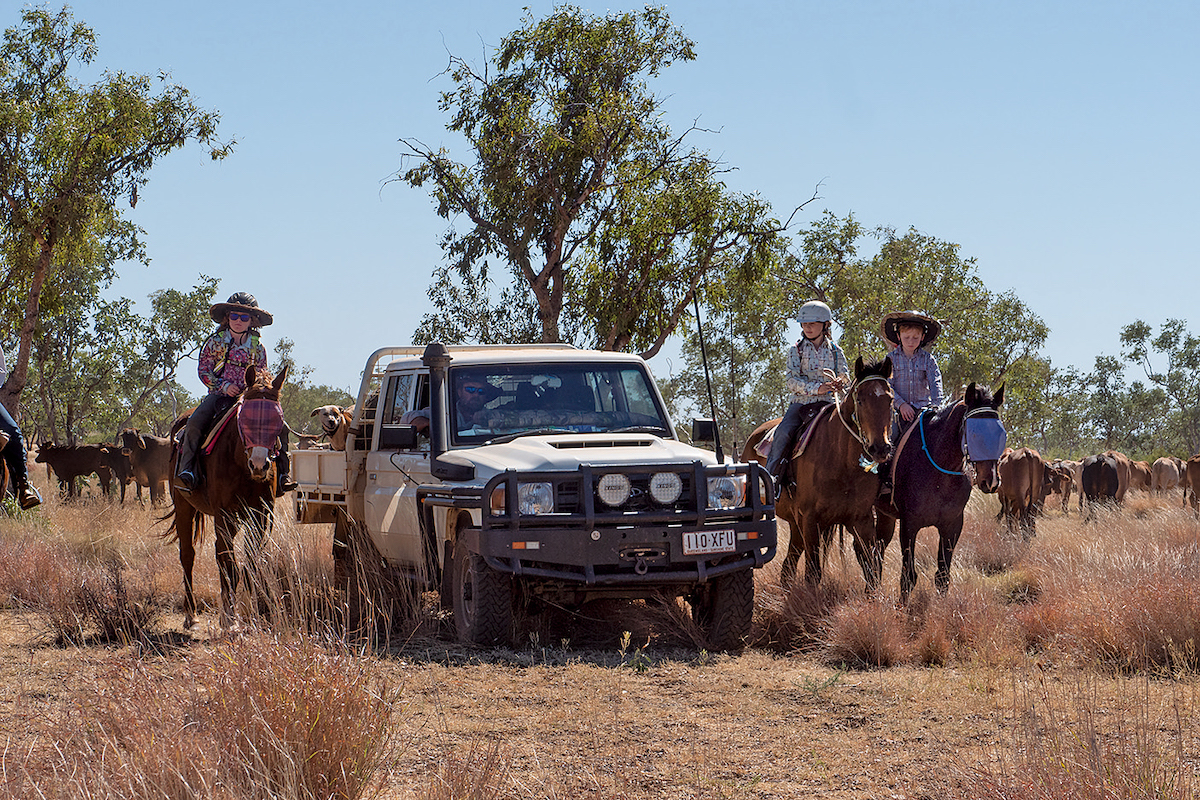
(1055, 142)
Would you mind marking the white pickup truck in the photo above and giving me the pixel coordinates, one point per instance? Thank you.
(545, 473)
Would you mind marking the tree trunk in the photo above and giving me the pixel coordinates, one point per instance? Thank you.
(18, 378)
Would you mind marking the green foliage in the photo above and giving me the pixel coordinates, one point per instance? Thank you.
(1178, 381)
(69, 154)
(98, 367)
(579, 189)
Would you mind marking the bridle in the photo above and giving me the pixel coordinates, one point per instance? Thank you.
(984, 414)
(868, 464)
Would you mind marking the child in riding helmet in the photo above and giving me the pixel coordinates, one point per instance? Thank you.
(816, 367)
(224, 357)
(916, 379)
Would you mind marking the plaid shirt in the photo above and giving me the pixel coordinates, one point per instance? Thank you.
(806, 365)
(917, 380)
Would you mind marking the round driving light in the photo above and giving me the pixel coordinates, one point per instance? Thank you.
(665, 487)
(535, 498)
(613, 489)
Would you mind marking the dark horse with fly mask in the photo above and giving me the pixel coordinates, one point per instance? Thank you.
(239, 488)
(930, 480)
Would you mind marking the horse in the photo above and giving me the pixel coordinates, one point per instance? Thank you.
(238, 488)
(834, 478)
(930, 480)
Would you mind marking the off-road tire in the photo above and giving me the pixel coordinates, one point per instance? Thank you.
(724, 609)
(483, 600)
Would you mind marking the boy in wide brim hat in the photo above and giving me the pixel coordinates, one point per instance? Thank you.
(916, 378)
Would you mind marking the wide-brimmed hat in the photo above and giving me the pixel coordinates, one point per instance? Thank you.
(891, 323)
(241, 301)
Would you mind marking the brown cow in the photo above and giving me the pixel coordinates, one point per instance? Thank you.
(1023, 482)
(1166, 474)
(1058, 481)
(150, 462)
(1191, 482)
(1140, 475)
(74, 461)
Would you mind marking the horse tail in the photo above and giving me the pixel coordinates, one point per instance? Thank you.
(173, 533)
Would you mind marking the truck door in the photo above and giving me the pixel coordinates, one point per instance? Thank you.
(393, 476)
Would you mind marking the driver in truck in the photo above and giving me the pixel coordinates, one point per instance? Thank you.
(470, 395)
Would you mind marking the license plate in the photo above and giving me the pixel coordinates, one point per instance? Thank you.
(698, 542)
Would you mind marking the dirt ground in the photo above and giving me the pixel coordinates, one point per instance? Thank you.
(591, 719)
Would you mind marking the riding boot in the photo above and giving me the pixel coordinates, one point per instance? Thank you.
(185, 471)
(27, 496)
(13, 448)
(283, 465)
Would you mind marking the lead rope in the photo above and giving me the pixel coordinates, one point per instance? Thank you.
(925, 446)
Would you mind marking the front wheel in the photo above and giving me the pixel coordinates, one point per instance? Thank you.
(724, 609)
(483, 600)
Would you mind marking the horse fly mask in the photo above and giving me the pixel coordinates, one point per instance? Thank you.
(260, 422)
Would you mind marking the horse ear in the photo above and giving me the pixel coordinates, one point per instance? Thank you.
(887, 367)
(999, 398)
(280, 378)
(972, 393)
(250, 373)
(858, 367)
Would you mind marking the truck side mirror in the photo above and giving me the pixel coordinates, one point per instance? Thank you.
(397, 437)
(704, 430)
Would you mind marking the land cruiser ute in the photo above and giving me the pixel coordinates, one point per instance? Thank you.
(507, 474)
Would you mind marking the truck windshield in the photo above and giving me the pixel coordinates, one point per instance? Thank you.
(509, 400)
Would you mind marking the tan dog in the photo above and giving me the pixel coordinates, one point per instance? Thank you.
(335, 423)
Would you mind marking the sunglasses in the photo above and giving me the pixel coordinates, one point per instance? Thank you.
(239, 317)
(473, 389)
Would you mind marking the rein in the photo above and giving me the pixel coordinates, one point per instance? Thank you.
(925, 446)
(978, 413)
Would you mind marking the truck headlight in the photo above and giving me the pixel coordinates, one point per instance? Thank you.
(535, 498)
(727, 491)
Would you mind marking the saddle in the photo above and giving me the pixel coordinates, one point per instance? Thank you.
(220, 420)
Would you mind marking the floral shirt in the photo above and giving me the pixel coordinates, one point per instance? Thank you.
(806, 365)
(223, 363)
(916, 380)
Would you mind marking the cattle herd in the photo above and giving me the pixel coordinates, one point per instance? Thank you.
(1027, 480)
(141, 459)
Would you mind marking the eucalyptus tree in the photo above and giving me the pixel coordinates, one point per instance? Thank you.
(985, 334)
(577, 187)
(1171, 361)
(70, 154)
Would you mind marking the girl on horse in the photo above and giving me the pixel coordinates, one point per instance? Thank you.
(224, 357)
(816, 368)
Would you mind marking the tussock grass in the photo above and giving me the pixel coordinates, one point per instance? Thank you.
(254, 717)
(1069, 741)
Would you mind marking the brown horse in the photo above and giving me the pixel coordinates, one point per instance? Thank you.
(239, 488)
(833, 478)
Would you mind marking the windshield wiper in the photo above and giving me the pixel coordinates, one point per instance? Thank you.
(640, 429)
(508, 437)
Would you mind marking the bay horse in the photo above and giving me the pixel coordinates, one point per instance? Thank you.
(930, 480)
(834, 481)
(238, 489)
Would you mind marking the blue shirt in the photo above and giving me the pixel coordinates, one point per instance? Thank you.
(806, 367)
(917, 380)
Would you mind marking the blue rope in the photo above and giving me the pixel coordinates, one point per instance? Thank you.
(925, 447)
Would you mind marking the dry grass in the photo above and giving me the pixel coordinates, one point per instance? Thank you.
(1061, 666)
